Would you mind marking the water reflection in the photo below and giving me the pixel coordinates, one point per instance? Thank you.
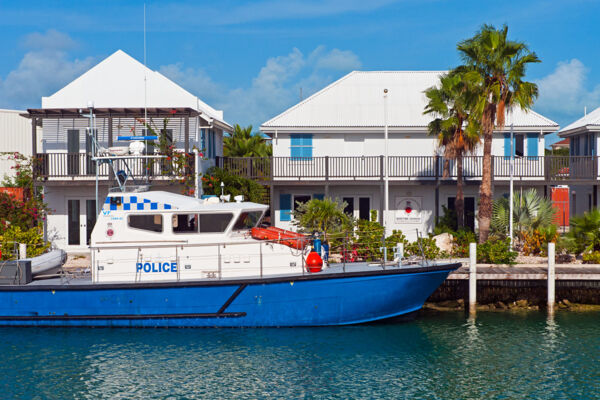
(496, 355)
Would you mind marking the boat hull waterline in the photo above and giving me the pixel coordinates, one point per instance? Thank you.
(309, 300)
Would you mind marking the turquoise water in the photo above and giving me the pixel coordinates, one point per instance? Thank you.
(441, 356)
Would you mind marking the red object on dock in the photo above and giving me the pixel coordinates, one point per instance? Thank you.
(291, 239)
(314, 262)
(560, 203)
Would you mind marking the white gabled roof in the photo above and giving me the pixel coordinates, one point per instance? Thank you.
(356, 100)
(118, 81)
(590, 122)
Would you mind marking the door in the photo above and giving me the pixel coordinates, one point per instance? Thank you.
(469, 220)
(73, 152)
(81, 218)
(90, 165)
(364, 208)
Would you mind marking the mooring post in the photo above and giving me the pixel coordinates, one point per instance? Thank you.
(22, 250)
(472, 277)
(551, 278)
(400, 252)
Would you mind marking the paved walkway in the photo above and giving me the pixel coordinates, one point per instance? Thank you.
(529, 272)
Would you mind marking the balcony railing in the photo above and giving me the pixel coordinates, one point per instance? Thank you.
(547, 168)
(81, 165)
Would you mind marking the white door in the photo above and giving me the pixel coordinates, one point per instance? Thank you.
(81, 218)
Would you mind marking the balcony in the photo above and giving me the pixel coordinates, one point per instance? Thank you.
(81, 167)
(551, 169)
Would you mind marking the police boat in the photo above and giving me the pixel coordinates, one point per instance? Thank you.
(160, 259)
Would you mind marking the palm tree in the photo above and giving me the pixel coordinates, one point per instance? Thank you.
(500, 65)
(530, 212)
(242, 143)
(457, 133)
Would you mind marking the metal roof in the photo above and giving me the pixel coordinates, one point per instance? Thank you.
(112, 112)
(588, 122)
(356, 100)
(120, 81)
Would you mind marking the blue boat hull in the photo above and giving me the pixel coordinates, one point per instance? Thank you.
(302, 301)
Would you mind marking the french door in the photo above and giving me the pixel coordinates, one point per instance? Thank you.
(81, 218)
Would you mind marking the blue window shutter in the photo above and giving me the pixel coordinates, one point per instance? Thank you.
(507, 145)
(285, 206)
(214, 146)
(319, 196)
(307, 140)
(296, 152)
(203, 141)
(532, 144)
(296, 140)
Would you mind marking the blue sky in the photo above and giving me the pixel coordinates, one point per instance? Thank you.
(252, 58)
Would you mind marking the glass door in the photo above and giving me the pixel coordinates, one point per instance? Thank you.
(73, 223)
(90, 219)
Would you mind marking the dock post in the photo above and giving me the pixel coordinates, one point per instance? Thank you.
(22, 250)
(400, 252)
(472, 277)
(551, 278)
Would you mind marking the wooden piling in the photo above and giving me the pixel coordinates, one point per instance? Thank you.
(22, 250)
(551, 278)
(472, 278)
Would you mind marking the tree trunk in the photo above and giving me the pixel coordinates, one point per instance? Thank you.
(459, 204)
(485, 190)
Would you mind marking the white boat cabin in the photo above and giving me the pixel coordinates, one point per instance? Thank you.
(162, 236)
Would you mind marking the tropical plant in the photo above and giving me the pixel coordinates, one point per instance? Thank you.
(451, 101)
(462, 239)
(325, 216)
(530, 212)
(243, 143)
(234, 185)
(591, 258)
(32, 237)
(584, 233)
(536, 242)
(496, 251)
(447, 223)
(498, 65)
(425, 247)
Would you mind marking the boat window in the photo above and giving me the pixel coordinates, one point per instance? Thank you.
(247, 220)
(185, 223)
(214, 223)
(148, 222)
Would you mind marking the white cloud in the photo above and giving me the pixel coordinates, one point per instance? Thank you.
(564, 93)
(51, 40)
(276, 87)
(42, 71)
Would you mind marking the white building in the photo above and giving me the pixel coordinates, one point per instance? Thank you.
(583, 167)
(121, 91)
(15, 136)
(332, 144)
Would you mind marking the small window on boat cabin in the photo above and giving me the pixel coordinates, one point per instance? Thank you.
(214, 223)
(148, 222)
(185, 223)
(247, 220)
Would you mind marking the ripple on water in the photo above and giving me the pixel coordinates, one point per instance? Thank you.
(443, 356)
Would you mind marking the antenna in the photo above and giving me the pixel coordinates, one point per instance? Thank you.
(145, 91)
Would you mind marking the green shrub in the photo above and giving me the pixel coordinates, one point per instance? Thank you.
(32, 237)
(430, 249)
(591, 258)
(584, 233)
(234, 185)
(496, 251)
(447, 223)
(462, 239)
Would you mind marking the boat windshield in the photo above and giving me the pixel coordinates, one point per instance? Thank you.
(247, 220)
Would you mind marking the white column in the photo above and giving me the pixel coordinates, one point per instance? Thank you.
(551, 277)
(386, 183)
(472, 277)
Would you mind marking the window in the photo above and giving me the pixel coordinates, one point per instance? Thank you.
(300, 198)
(185, 223)
(247, 220)
(149, 222)
(301, 147)
(214, 223)
(519, 151)
(364, 208)
(349, 209)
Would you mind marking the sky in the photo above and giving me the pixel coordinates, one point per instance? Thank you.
(254, 59)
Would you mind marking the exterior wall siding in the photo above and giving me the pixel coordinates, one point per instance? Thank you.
(15, 136)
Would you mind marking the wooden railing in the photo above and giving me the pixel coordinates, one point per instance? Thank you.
(549, 168)
(72, 165)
